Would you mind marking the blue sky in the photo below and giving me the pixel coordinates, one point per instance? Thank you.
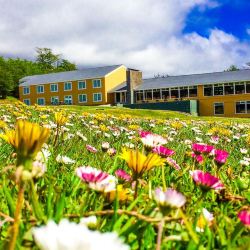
(156, 36)
(231, 16)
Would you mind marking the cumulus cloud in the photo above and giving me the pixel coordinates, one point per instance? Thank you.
(144, 34)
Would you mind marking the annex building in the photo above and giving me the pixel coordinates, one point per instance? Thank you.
(219, 93)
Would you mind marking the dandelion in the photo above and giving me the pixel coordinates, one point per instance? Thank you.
(27, 139)
(139, 162)
(169, 199)
(60, 118)
(244, 217)
(97, 179)
(206, 180)
(71, 236)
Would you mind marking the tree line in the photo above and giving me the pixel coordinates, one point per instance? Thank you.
(12, 70)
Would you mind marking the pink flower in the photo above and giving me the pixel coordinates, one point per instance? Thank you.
(169, 198)
(202, 148)
(122, 175)
(91, 149)
(198, 158)
(163, 151)
(111, 151)
(221, 156)
(96, 179)
(153, 140)
(171, 162)
(144, 133)
(244, 217)
(206, 180)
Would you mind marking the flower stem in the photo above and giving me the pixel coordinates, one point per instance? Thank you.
(159, 235)
(163, 179)
(17, 217)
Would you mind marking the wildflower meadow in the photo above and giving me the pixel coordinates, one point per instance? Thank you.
(76, 179)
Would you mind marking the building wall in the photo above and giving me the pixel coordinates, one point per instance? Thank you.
(206, 104)
(113, 79)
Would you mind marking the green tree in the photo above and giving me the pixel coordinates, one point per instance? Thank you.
(66, 65)
(232, 68)
(46, 59)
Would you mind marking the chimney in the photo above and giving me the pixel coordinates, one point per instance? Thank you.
(134, 78)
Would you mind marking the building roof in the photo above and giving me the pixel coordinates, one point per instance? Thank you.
(87, 73)
(195, 79)
(119, 88)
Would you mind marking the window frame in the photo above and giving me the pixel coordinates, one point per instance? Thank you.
(26, 87)
(223, 107)
(81, 82)
(54, 97)
(245, 102)
(27, 99)
(93, 83)
(37, 87)
(40, 98)
(99, 93)
(83, 101)
(54, 84)
(71, 99)
(65, 84)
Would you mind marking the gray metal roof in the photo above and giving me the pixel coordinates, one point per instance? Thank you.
(195, 79)
(87, 73)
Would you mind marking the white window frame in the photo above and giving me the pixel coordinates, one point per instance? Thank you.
(82, 95)
(54, 97)
(245, 108)
(71, 99)
(27, 92)
(93, 81)
(54, 84)
(26, 100)
(94, 97)
(223, 108)
(66, 84)
(41, 98)
(37, 87)
(82, 88)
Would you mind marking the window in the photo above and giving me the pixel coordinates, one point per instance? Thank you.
(40, 101)
(174, 93)
(68, 99)
(148, 94)
(239, 88)
(219, 108)
(192, 91)
(67, 86)
(81, 85)
(156, 94)
(96, 83)
(243, 107)
(54, 87)
(82, 98)
(139, 96)
(218, 89)
(40, 89)
(54, 100)
(26, 90)
(165, 94)
(26, 101)
(183, 92)
(229, 88)
(97, 97)
(208, 90)
(247, 87)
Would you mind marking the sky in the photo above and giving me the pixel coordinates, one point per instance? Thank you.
(156, 36)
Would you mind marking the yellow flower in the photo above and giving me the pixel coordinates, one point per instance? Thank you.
(27, 138)
(123, 194)
(60, 118)
(139, 162)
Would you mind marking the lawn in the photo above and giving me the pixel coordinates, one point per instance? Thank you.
(155, 179)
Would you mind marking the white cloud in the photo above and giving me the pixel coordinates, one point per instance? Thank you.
(248, 32)
(145, 34)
